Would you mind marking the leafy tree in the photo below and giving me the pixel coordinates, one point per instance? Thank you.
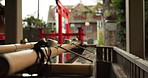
(101, 40)
(119, 5)
(109, 11)
(34, 21)
(92, 11)
(31, 32)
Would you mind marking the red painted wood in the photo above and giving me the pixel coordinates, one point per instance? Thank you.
(60, 37)
(80, 32)
(2, 36)
(53, 37)
(41, 33)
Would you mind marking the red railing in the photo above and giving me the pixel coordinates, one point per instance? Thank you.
(80, 34)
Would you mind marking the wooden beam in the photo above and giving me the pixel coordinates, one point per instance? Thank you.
(72, 69)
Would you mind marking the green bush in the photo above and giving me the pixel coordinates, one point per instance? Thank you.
(119, 5)
(101, 40)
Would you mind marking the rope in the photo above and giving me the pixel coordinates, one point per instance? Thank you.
(15, 47)
(42, 68)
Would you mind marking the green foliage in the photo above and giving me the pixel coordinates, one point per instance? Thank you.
(99, 4)
(31, 32)
(89, 10)
(92, 11)
(121, 37)
(107, 13)
(34, 21)
(101, 40)
(48, 28)
(119, 5)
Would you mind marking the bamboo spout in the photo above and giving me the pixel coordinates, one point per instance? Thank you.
(17, 61)
(15, 47)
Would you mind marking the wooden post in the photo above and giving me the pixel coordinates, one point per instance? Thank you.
(60, 38)
(68, 37)
(13, 21)
(80, 32)
(135, 27)
(99, 53)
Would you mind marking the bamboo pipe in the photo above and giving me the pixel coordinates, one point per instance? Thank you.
(15, 47)
(72, 69)
(17, 61)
